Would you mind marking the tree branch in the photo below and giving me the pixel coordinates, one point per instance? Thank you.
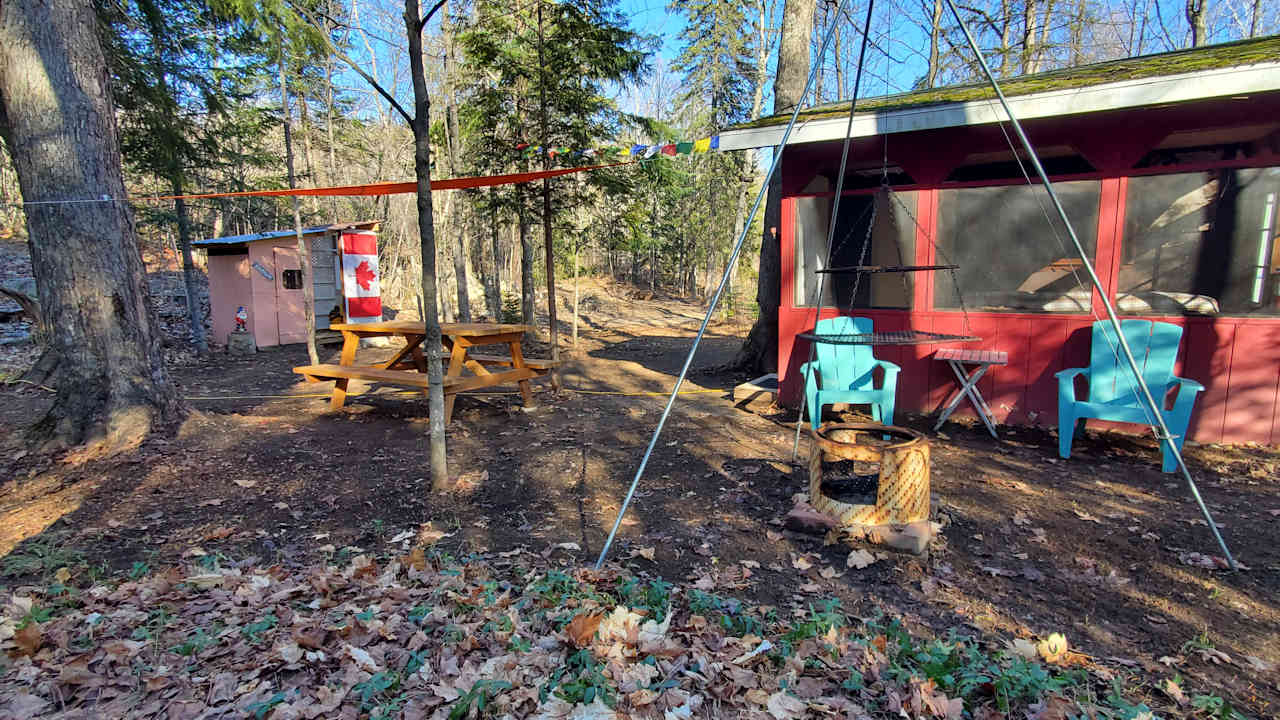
(427, 18)
(352, 63)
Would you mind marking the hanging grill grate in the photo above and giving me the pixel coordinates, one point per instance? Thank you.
(885, 269)
(887, 337)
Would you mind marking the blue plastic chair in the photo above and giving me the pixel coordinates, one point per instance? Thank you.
(843, 373)
(1113, 392)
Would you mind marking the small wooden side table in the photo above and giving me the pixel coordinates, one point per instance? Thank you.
(981, 360)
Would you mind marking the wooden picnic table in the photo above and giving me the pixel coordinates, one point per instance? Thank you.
(409, 366)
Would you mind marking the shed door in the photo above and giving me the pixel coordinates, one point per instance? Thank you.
(289, 313)
(324, 266)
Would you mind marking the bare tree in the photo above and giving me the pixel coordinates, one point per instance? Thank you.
(59, 123)
(760, 351)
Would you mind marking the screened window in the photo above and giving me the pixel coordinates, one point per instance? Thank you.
(891, 242)
(1009, 256)
(1201, 244)
(292, 279)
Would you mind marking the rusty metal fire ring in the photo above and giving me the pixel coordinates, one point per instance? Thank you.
(902, 491)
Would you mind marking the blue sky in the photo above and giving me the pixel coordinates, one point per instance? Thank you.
(652, 18)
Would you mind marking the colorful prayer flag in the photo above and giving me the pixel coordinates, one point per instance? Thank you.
(668, 150)
(652, 150)
(702, 145)
(684, 148)
(715, 142)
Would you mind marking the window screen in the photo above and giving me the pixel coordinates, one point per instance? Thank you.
(892, 242)
(1201, 244)
(1009, 257)
(292, 279)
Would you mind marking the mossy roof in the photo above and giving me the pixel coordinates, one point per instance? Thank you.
(1212, 57)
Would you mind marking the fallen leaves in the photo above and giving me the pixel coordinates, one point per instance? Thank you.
(28, 639)
(859, 559)
(1053, 649)
(648, 553)
(328, 640)
(582, 628)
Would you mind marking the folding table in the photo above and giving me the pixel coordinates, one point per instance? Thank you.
(982, 360)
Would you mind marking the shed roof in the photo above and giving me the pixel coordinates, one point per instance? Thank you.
(275, 234)
(1181, 75)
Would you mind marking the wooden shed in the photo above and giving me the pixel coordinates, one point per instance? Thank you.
(261, 273)
(1169, 167)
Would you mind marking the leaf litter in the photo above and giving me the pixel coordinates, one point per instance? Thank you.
(424, 636)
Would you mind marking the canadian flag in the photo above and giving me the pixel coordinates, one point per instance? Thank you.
(360, 277)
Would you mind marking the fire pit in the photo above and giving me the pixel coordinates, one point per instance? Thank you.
(850, 459)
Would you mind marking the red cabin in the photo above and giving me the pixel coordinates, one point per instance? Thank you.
(1169, 168)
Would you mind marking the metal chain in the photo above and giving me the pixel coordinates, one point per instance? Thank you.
(947, 258)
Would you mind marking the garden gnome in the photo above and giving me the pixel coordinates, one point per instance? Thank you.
(242, 317)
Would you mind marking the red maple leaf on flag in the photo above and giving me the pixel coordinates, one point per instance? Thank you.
(364, 274)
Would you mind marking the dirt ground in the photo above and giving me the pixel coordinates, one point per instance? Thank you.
(1098, 548)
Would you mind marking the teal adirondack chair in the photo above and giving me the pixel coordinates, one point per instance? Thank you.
(843, 373)
(1114, 393)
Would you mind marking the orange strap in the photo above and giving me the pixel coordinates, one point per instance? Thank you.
(393, 188)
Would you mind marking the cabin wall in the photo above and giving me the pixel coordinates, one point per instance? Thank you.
(229, 288)
(1237, 358)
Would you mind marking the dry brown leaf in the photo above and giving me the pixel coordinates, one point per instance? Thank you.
(859, 559)
(219, 533)
(1053, 649)
(245, 483)
(800, 562)
(1022, 648)
(645, 552)
(28, 639)
(773, 536)
(1052, 707)
(417, 559)
(582, 628)
(785, 707)
(1174, 691)
(1020, 518)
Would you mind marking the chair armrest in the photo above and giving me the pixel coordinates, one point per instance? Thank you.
(1185, 384)
(1067, 383)
(806, 367)
(888, 366)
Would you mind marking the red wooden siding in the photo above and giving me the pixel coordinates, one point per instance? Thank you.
(1236, 358)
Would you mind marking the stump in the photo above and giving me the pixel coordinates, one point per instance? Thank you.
(899, 516)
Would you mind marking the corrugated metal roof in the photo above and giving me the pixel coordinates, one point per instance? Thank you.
(274, 234)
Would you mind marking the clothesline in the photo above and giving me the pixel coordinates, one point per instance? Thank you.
(367, 189)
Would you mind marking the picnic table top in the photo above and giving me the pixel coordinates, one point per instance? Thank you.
(417, 327)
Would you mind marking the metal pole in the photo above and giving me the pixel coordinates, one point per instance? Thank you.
(831, 229)
(724, 281)
(1163, 429)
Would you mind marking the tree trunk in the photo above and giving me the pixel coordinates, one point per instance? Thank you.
(1254, 16)
(935, 32)
(760, 351)
(526, 265)
(547, 217)
(58, 121)
(1196, 21)
(328, 125)
(495, 296)
(195, 311)
(304, 251)
(430, 300)
(459, 226)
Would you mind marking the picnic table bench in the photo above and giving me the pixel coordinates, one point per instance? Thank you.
(408, 368)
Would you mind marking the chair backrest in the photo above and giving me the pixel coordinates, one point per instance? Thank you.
(1154, 346)
(845, 367)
